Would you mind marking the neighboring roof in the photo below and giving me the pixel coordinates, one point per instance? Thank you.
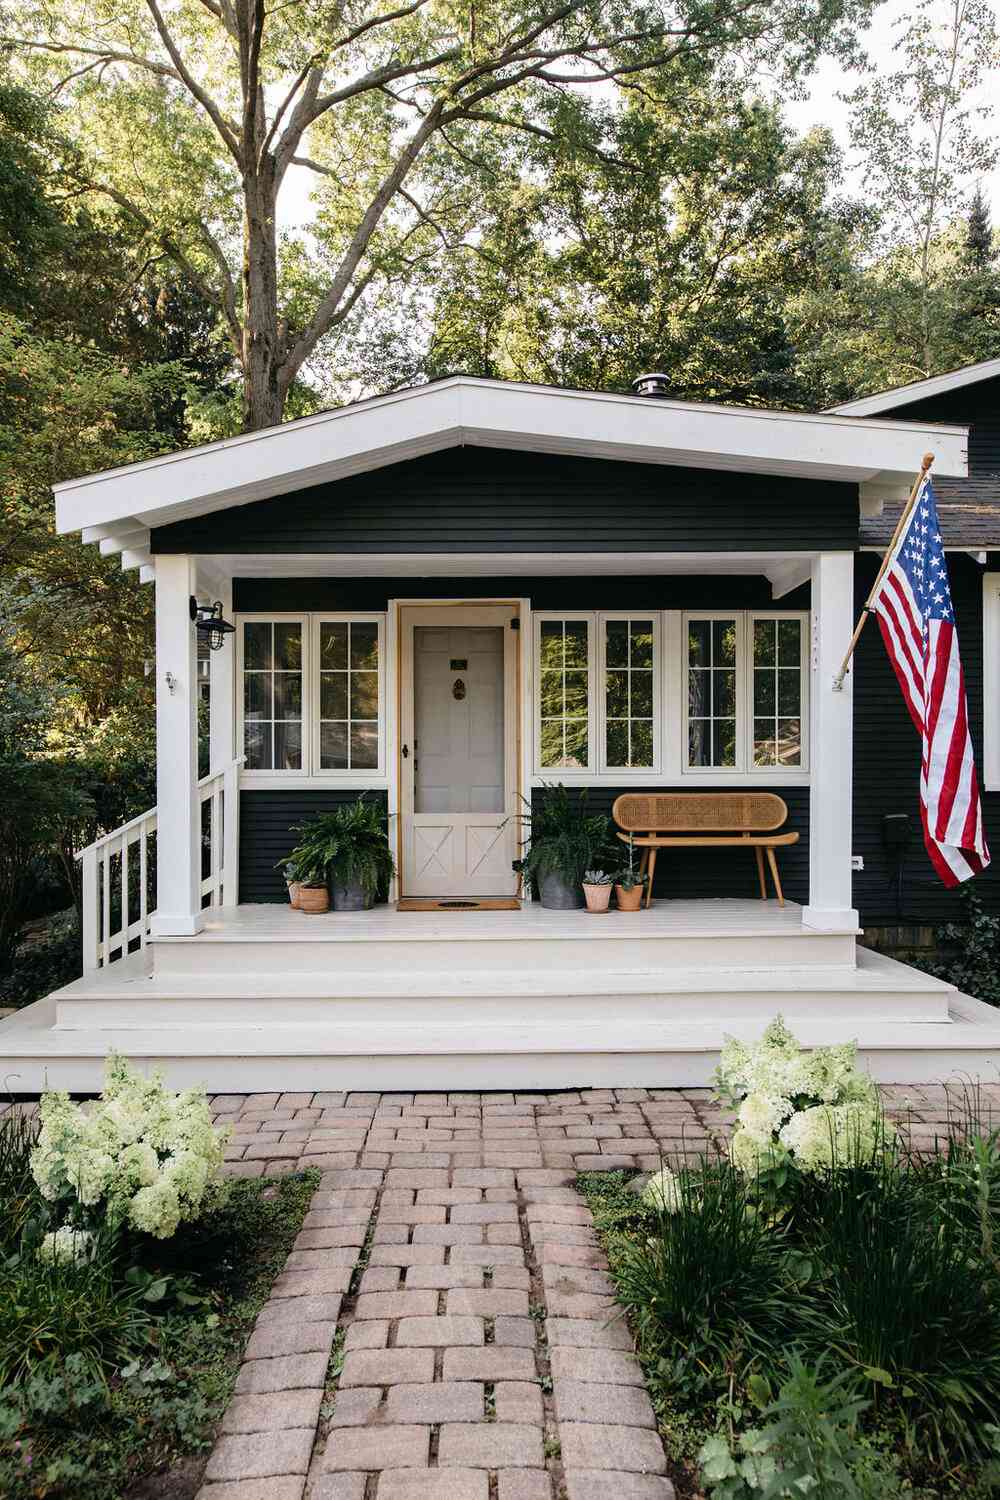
(918, 390)
(463, 410)
(969, 511)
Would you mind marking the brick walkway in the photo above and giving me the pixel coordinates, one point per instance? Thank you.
(454, 1269)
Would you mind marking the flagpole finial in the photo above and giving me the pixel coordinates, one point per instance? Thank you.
(926, 462)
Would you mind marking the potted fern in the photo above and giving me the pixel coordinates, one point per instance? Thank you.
(351, 846)
(565, 840)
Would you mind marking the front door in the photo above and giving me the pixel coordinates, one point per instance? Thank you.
(458, 751)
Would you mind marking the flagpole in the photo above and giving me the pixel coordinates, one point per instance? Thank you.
(838, 681)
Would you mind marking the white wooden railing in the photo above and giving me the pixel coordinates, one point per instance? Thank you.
(119, 872)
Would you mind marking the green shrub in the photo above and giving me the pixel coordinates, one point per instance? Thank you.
(349, 846)
(43, 967)
(808, 1444)
(564, 837)
(969, 951)
(18, 1192)
(708, 1287)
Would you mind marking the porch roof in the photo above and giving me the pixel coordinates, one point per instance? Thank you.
(118, 506)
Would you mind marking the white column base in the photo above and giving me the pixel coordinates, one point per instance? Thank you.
(186, 924)
(830, 919)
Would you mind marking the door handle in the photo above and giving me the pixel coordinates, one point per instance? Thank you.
(405, 752)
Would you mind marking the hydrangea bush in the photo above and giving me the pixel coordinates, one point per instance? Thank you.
(809, 1109)
(142, 1157)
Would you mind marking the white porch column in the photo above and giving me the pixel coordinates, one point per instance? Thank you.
(178, 842)
(831, 747)
(221, 703)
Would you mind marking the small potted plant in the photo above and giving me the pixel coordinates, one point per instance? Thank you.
(629, 884)
(313, 894)
(351, 848)
(565, 839)
(597, 890)
(288, 869)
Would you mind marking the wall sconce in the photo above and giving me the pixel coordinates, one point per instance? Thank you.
(209, 624)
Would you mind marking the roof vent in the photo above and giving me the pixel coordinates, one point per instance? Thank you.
(655, 385)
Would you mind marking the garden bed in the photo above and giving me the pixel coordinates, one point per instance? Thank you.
(114, 1372)
(818, 1326)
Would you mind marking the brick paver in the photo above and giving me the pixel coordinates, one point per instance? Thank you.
(448, 1245)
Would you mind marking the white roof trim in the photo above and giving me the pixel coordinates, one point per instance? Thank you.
(917, 390)
(500, 414)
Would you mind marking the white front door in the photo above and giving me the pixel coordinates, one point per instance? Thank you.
(458, 751)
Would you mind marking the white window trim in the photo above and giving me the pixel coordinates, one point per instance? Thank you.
(310, 775)
(991, 681)
(671, 702)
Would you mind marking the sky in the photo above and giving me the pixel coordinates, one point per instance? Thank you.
(821, 106)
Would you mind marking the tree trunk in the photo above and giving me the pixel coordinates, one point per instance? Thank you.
(262, 341)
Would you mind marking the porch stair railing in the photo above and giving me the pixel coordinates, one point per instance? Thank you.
(119, 872)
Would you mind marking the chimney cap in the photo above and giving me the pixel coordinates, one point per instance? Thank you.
(654, 384)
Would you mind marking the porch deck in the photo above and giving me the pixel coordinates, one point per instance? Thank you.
(266, 996)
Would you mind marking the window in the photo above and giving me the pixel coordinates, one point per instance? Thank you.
(564, 693)
(312, 696)
(777, 691)
(747, 687)
(272, 695)
(630, 692)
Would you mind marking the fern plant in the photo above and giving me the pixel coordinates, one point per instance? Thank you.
(350, 844)
(564, 837)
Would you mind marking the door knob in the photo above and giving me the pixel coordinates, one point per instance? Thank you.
(405, 752)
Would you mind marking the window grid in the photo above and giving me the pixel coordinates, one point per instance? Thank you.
(564, 654)
(776, 686)
(273, 695)
(629, 688)
(712, 671)
(349, 667)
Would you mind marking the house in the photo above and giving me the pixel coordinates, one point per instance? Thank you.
(447, 597)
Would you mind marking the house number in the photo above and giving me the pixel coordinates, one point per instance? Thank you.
(458, 689)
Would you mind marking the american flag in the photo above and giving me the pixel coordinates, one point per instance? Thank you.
(917, 620)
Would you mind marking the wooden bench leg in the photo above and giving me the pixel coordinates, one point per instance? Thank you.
(652, 872)
(760, 872)
(773, 866)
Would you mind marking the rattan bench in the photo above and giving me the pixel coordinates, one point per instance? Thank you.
(704, 820)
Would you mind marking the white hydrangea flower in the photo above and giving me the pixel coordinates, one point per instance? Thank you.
(156, 1209)
(761, 1115)
(663, 1190)
(830, 1135)
(67, 1246)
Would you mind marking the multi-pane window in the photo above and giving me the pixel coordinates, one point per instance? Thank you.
(348, 695)
(777, 692)
(712, 721)
(628, 692)
(272, 695)
(564, 694)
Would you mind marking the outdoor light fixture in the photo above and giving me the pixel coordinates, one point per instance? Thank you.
(209, 623)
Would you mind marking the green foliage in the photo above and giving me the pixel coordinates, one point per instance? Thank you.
(564, 837)
(807, 1444)
(18, 1191)
(348, 846)
(970, 951)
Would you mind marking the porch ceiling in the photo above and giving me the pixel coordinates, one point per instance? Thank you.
(498, 414)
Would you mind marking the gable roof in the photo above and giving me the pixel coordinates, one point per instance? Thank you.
(918, 390)
(463, 410)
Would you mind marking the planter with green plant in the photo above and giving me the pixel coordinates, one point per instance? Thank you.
(630, 885)
(597, 889)
(565, 840)
(348, 849)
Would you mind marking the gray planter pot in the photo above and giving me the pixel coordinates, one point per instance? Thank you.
(349, 897)
(558, 895)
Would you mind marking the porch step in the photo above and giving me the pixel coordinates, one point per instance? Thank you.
(125, 997)
(524, 1054)
(675, 935)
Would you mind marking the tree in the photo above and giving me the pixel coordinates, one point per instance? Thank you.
(921, 136)
(190, 115)
(979, 250)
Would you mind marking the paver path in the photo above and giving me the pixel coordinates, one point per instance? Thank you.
(450, 1261)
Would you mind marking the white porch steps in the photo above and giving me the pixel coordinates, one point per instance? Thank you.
(268, 998)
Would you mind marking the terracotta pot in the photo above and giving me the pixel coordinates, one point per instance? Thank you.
(598, 896)
(293, 894)
(314, 898)
(629, 900)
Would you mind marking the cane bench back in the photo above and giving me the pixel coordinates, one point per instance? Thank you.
(699, 812)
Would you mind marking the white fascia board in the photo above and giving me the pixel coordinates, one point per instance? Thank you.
(918, 390)
(371, 434)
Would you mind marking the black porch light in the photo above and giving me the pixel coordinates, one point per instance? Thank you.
(209, 623)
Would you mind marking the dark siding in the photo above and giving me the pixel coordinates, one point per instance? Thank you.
(887, 762)
(695, 873)
(490, 500)
(609, 592)
(266, 819)
(979, 405)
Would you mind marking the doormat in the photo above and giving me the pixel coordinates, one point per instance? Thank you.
(429, 903)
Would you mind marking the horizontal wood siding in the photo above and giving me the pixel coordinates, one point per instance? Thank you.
(491, 500)
(266, 820)
(704, 873)
(979, 405)
(887, 763)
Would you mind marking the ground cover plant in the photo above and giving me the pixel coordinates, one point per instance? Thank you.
(820, 1318)
(119, 1347)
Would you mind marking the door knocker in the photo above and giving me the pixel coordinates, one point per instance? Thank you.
(458, 689)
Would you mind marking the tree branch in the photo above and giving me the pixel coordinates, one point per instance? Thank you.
(229, 137)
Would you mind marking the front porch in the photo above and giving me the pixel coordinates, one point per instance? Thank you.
(264, 995)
